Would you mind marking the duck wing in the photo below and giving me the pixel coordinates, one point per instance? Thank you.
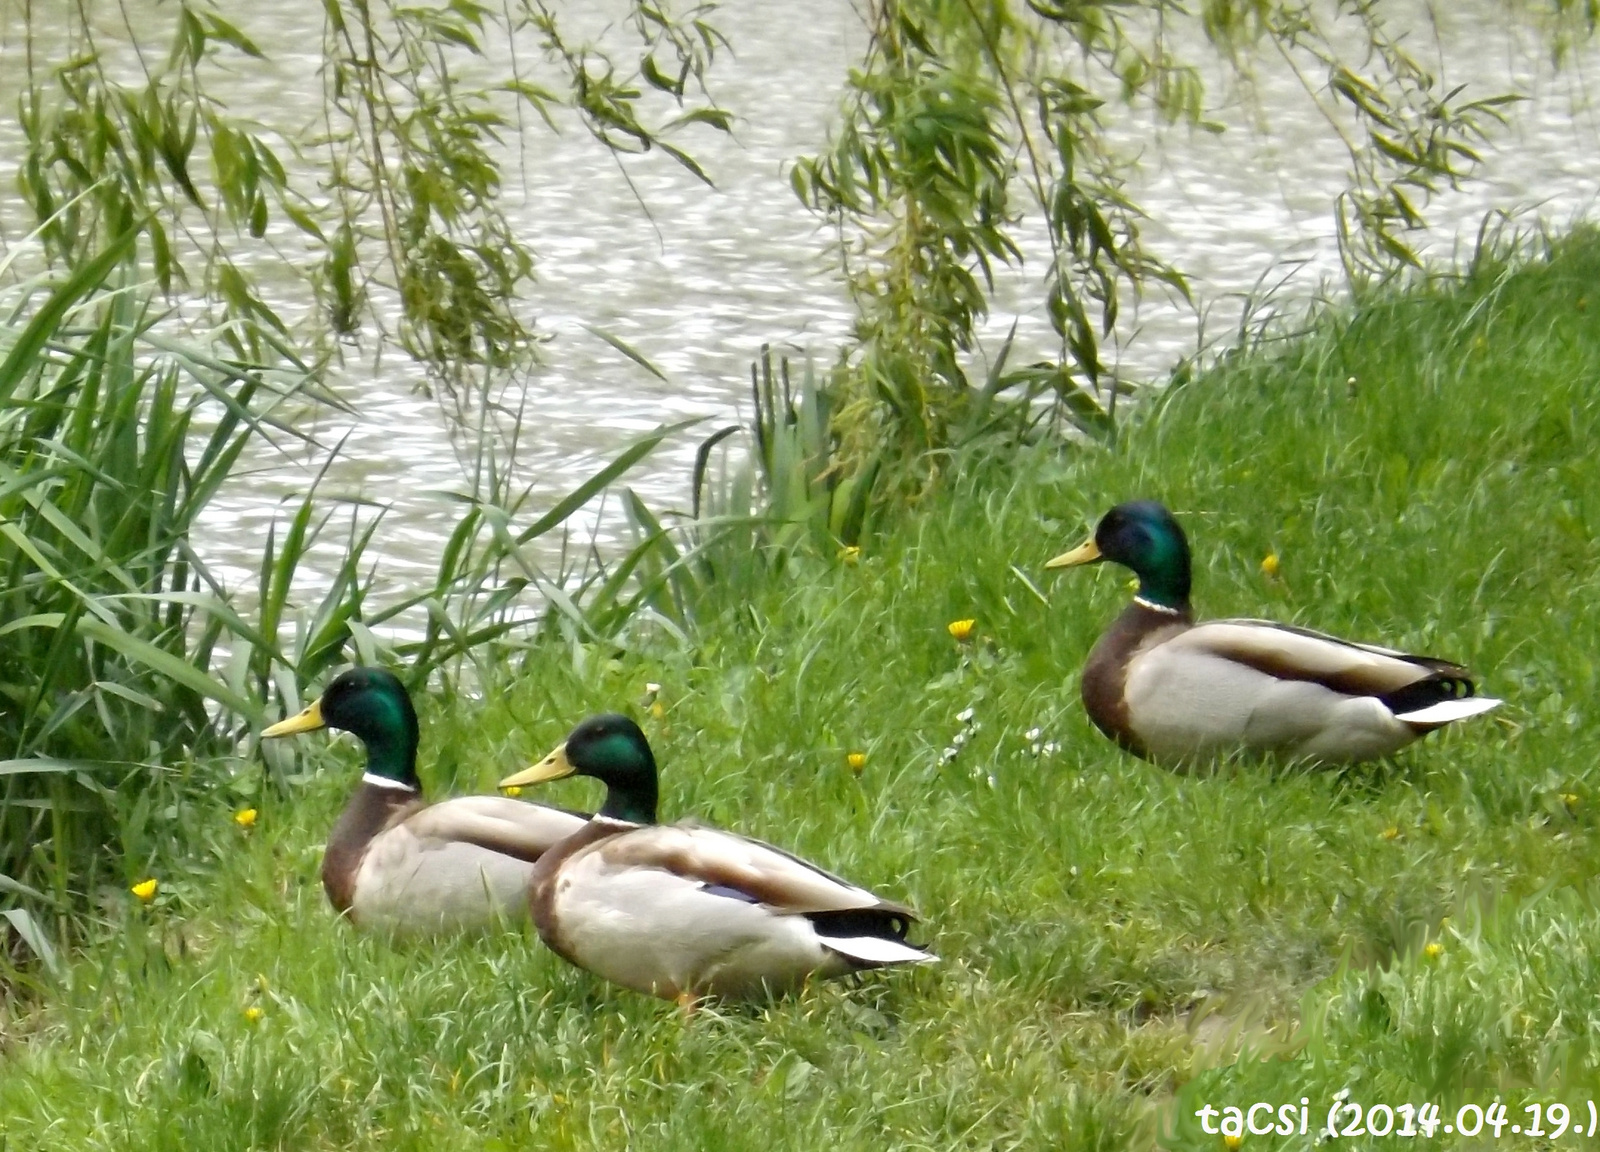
(1403, 682)
(743, 868)
(500, 824)
(738, 872)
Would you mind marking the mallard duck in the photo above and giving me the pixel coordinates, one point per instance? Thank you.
(1169, 689)
(402, 867)
(680, 911)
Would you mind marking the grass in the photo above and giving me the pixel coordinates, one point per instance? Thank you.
(1121, 945)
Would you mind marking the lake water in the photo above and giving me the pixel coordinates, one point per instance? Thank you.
(709, 276)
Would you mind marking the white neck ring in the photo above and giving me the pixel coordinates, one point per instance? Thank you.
(384, 782)
(1154, 607)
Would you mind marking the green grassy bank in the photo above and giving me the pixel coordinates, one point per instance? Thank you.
(1121, 945)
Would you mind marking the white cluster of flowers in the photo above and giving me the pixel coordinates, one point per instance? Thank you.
(1037, 745)
(1038, 748)
(969, 727)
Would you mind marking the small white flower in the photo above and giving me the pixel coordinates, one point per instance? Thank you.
(959, 739)
(975, 725)
(1032, 734)
(1051, 749)
(652, 688)
(1035, 749)
(948, 755)
(965, 716)
(991, 780)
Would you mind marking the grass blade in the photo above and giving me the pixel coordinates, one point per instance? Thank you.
(30, 343)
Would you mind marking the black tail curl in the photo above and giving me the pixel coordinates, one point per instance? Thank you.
(1426, 693)
(884, 922)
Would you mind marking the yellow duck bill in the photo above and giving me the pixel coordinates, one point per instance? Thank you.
(1086, 553)
(552, 767)
(307, 721)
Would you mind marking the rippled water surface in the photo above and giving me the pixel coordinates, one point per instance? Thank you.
(708, 276)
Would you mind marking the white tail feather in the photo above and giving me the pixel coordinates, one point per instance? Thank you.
(1447, 711)
(875, 950)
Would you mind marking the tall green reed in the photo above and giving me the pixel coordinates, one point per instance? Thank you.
(792, 494)
(112, 441)
(128, 672)
(788, 499)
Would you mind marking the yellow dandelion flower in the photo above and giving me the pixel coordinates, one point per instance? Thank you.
(245, 817)
(849, 554)
(1232, 1141)
(857, 761)
(254, 1013)
(145, 890)
(1570, 799)
(1270, 566)
(962, 629)
(1434, 950)
(658, 710)
(514, 790)
(1391, 832)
